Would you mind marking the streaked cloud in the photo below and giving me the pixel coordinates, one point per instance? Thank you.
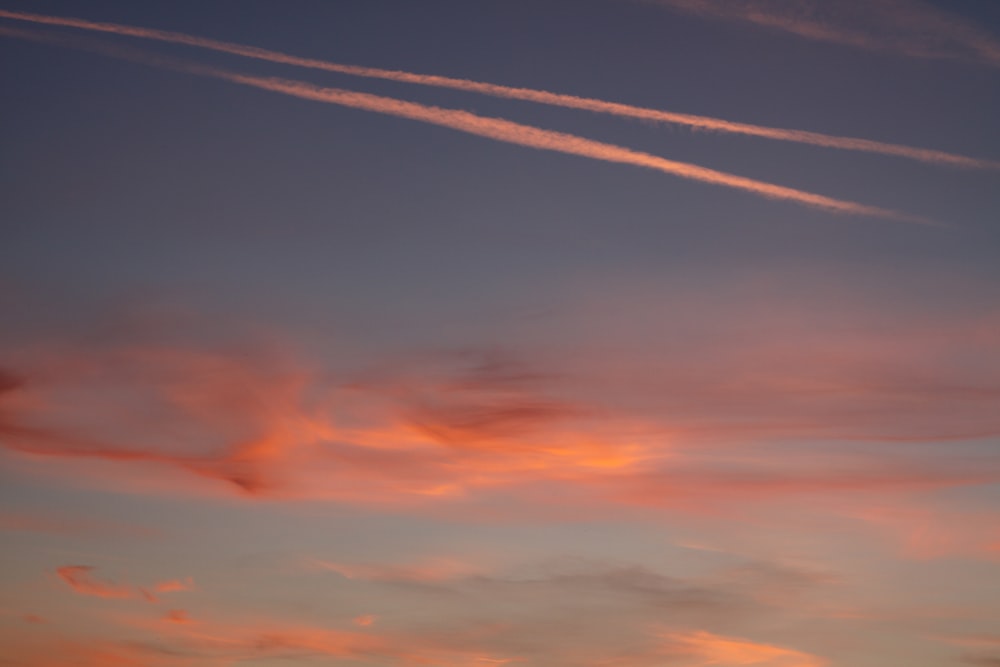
(705, 648)
(607, 419)
(80, 579)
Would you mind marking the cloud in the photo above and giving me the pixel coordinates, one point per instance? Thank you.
(435, 570)
(174, 586)
(906, 27)
(705, 648)
(496, 129)
(527, 94)
(467, 619)
(273, 428)
(81, 580)
(633, 411)
(57, 650)
(270, 639)
(571, 612)
(177, 616)
(925, 532)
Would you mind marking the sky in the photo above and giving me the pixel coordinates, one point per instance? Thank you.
(465, 333)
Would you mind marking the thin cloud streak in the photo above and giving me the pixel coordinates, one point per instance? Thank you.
(525, 94)
(78, 577)
(912, 29)
(82, 581)
(706, 648)
(497, 129)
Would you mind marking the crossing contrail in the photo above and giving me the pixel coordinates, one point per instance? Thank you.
(497, 129)
(527, 94)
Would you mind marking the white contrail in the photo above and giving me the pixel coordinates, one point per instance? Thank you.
(528, 94)
(492, 128)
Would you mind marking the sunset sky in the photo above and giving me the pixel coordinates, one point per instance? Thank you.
(467, 333)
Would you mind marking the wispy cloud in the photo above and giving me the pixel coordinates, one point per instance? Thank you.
(496, 129)
(177, 616)
(81, 579)
(436, 570)
(174, 586)
(925, 532)
(906, 27)
(705, 648)
(526, 94)
(253, 640)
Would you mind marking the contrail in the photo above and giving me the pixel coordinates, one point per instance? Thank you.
(497, 129)
(527, 94)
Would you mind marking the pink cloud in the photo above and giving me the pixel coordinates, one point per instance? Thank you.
(609, 421)
(81, 580)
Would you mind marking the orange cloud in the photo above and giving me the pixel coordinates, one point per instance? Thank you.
(60, 652)
(174, 585)
(277, 430)
(261, 640)
(623, 424)
(80, 580)
(705, 648)
(177, 616)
